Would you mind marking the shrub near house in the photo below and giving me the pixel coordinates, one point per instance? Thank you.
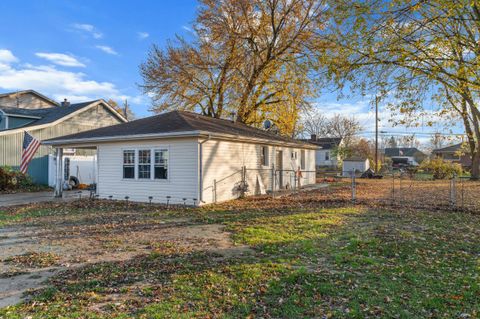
(441, 169)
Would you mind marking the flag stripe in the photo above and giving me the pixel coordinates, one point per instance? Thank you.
(29, 147)
(29, 152)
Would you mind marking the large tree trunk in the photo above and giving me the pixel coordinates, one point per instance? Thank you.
(475, 173)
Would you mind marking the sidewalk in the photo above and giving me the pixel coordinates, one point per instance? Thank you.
(36, 197)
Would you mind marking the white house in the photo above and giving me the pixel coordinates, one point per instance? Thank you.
(359, 165)
(186, 157)
(325, 155)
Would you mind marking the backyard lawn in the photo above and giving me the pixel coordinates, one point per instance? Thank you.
(293, 257)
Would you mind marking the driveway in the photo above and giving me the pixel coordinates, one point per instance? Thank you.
(37, 197)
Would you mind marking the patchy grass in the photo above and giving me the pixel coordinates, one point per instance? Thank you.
(33, 260)
(308, 261)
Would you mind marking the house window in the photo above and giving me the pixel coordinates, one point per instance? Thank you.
(128, 164)
(161, 164)
(327, 156)
(264, 155)
(294, 155)
(302, 159)
(144, 162)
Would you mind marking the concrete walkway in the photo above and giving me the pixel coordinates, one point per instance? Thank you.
(36, 197)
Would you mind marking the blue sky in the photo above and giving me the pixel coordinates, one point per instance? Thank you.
(85, 49)
(89, 49)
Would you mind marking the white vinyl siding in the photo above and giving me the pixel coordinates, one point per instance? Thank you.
(223, 162)
(182, 181)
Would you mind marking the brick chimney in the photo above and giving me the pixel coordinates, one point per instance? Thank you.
(65, 102)
(313, 137)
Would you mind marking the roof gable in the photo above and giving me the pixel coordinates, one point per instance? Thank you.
(52, 116)
(26, 99)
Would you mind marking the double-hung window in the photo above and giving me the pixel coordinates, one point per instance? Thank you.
(144, 162)
(161, 164)
(129, 164)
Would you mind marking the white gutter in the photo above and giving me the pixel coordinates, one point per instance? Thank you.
(121, 138)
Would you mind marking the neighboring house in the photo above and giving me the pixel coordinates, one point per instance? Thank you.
(454, 153)
(44, 118)
(405, 155)
(325, 156)
(357, 164)
(190, 158)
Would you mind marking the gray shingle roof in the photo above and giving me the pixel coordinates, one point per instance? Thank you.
(449, 149)
(47, 115)
(175, 122)
(326, 143)
(401, 151)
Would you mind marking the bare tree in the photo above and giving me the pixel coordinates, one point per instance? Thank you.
(346, 128)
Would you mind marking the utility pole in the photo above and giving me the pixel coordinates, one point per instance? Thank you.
(376, 134)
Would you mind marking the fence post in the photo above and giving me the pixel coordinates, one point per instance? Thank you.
(393, 188)
(400, 188)
(453, 191)
(353, 187)
(273, 180)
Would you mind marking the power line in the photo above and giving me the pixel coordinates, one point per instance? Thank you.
(411, 133)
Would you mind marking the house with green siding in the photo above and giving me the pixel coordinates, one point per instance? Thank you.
(44, 118)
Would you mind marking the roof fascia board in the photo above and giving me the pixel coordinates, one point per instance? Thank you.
(228, 137)
(23, 116)
(121, 138)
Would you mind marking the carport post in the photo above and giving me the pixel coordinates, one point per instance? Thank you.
(59, 179)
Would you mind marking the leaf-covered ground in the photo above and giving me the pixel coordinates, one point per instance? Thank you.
(295, 257)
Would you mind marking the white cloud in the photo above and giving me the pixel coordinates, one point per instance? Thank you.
(53, 82)
(88, 28)
(107, 49)
(7, 57)
(184, 27)
(142, 35)
(60, 59)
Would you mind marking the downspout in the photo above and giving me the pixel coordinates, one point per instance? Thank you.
(200, 169)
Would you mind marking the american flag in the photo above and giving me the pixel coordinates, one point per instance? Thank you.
(29, 147)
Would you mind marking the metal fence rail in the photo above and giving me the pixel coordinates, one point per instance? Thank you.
(458, 192)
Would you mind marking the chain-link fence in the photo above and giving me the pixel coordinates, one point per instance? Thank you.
(458, 192)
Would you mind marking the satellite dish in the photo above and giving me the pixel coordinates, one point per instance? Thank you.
(267, 124)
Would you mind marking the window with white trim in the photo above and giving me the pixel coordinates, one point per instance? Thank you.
(294, 155)
(161, 164)
(327, 156)
(129, 164)
(264, 155)
(144, 162)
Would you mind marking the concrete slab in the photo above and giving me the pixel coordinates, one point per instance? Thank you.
(36, 197)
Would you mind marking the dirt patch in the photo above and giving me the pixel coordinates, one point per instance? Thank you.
(34, 251)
